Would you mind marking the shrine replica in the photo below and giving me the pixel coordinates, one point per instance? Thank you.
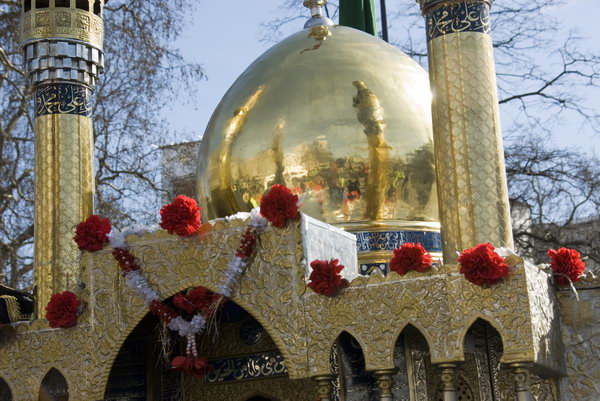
(346, 298)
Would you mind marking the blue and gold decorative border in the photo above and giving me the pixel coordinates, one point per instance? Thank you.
(459, 17)
(62, 98)
(367, 269)
(369, 241)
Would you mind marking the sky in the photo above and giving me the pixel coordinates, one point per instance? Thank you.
(226, 39)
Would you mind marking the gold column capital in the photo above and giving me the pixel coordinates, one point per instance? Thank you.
(324, 387)
(522, 380)
(385, 383)
(449, 378)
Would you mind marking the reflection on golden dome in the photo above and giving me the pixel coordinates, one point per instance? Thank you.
(340, 117)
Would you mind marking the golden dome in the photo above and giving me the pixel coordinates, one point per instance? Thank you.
(340, 117)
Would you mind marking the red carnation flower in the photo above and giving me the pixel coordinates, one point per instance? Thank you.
(62, 310)
(182, 216)
(196, 366)
(90, 235)
(566, 261)
(481, 265)
(325, 278)
(199, 299)
(279, 206)
(410, 257)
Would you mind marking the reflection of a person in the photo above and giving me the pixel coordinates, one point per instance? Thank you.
(335, 191)
(351, 194)
(318, 190)
(420, 177)
(370, 115)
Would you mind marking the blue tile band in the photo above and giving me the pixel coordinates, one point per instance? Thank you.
(369, 241)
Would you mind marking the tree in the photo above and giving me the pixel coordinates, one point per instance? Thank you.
(144, 72)
(555, 197)
(544, 72)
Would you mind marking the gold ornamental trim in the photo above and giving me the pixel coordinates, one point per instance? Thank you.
(62, 22)
(13, 308)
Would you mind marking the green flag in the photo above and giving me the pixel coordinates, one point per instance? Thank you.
(359, 14)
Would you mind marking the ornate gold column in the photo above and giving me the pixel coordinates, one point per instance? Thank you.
(473, 195)
(449, 381)
(384, 384)
(522, 381)
(62, 49)
(324, 387)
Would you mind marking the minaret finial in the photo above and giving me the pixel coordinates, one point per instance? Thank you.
(316, 11)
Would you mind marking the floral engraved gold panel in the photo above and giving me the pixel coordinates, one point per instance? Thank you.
(441, 304)
(82, 22)
(301, 324)
(63, 19)
(504, 306)
(42, 18)
(581, 335)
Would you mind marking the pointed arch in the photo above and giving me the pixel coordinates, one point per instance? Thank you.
(411, 354)
(54, 387)
(352, 366)
(350, 333)
(480, 319)
(133, 358)
(5, 392)
(412, 327)
(139, 313)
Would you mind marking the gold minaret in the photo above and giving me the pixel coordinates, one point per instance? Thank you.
(472, 190)
(61, 42)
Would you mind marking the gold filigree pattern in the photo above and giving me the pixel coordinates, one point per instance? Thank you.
(302, 325)
(581, 336)
(64, 191)
(442, 305)
(468, 143)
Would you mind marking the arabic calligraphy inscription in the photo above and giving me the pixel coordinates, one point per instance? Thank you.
(62, 98)
(461, 17)
(268, 364)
